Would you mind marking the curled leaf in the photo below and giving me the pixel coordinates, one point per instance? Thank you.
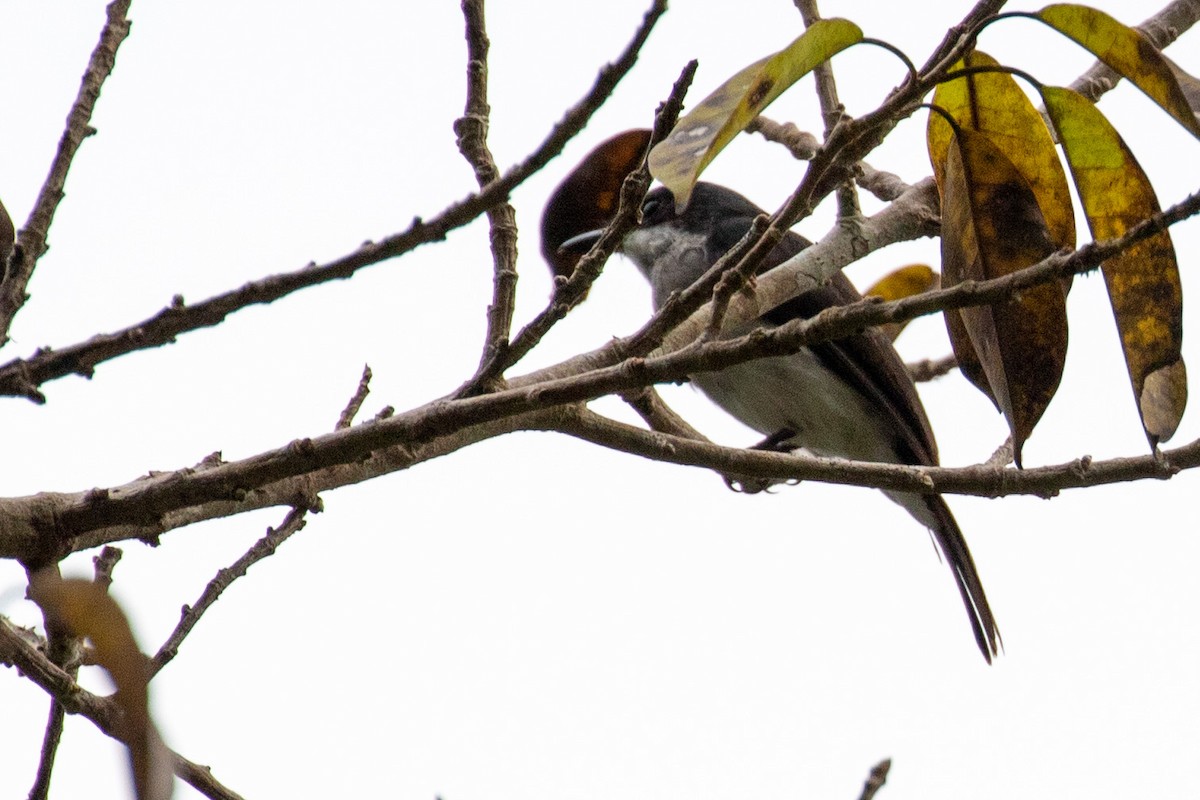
(1014, 350)
(1126, 51)
(587, 198)
(1143, 282)
(1188, 84)
(901, 283)
(704, 131)
(87, 610)
(993, 104)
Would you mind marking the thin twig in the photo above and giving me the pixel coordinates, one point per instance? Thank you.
(31, 241)
(50, 742)
(930, 368)
(201, 779)
(346, 418)
(17, 651)
(569, 293)
(832, 112)
(104, 563)
(886, 186)
(660, 416)
(876, 779)
(472, 130)
(803, 146)
(103, 712)
(62, 650)
(1003, 456)
(190, 615)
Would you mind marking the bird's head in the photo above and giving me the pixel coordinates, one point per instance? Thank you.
(674, 247)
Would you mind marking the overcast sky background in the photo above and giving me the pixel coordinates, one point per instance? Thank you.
(535, 616)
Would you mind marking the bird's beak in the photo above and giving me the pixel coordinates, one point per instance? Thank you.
(581, 243)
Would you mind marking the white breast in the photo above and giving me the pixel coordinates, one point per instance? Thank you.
(798, 393)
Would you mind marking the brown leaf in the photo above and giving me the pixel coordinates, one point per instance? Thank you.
(991, 227)
(1188, 84)
(7, 237)
(87, 610)
(992, 103)
(587, 198)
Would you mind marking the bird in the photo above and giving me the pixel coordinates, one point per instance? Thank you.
(847, 398)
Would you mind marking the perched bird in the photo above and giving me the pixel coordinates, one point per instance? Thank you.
(848, 398)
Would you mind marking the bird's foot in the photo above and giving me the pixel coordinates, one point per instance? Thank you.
(775, 443)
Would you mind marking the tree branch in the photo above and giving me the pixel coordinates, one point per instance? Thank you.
(570, 292)
(31, 241)
(471, 130)
(930, 368)
(190, 615)
(876, 779)
(15, 651)
(346, 418)
(832, 111)
(983, 480)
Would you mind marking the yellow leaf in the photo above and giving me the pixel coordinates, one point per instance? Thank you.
(1127, 52)
(991, 226)
(901, 283)
(703, 132)
(993, 104)
(1143, 282)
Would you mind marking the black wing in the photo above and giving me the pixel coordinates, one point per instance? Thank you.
(867, 360)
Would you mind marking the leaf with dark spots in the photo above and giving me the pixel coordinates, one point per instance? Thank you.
(993, 104)
(1013, 350)
(678, 160)
(1143, 282)
(758, 95)
(1126, 51)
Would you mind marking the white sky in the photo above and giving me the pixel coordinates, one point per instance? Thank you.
(534, 616)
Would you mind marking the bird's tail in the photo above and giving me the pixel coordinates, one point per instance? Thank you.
(932, 510)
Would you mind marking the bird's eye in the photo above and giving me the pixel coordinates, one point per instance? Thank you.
(650, 207)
